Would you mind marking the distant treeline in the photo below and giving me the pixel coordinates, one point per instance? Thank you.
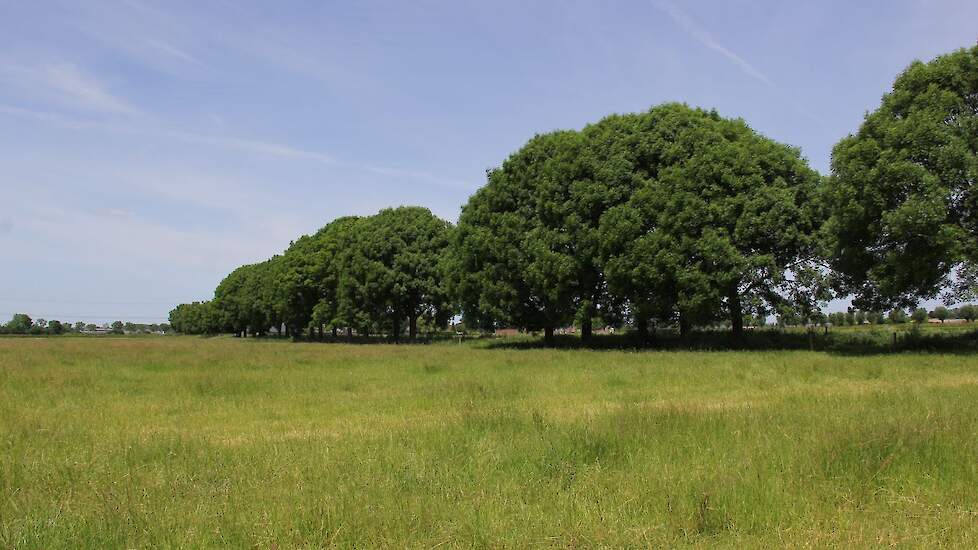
(21, 323)
(672, 217)
(897, 316)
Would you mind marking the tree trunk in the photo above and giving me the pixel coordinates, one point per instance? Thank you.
(287, 333)
(684, 327)
(548, 336)
(334, 333)
(320, 332)
(642, 328)
(413, 327)
(349, 333)
(396, 330)
(586, 328)
(736, 313)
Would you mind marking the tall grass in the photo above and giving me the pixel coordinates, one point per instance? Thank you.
(194, 442)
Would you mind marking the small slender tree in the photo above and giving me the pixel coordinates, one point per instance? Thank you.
(919, 315)
(968, 312)
(897, 316)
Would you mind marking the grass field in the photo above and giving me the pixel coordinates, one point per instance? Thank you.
(190, 442)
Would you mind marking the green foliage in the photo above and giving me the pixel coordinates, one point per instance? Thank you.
(320, 269)
(193, 318)
(524, 248)
(940, 313)
(300, 287)
(674, 214)
(393, 271)
(55, 327)
(968, 312)
(360, 273)
(919, 315)
(902, 198)
(897, 316)
(21, 323)
(237, 300)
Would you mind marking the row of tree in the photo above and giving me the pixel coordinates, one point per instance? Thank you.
(675, 216)
(21, 323)
(967, 312)
(382, 273)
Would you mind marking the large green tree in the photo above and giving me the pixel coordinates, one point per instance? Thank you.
(722, 221)
(675, 214)
(21, 323)
(192, 318)
(904, 208)
(233, 303)
(526, 242)
(268, 300)
(252, 298)
(391, 271)
(310, 275)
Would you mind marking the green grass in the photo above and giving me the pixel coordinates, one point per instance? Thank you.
(190, 442)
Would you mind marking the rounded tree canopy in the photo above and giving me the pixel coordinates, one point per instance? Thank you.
(392, 270)
(717, 217)
(517, 259)
(675, 210)
(904, 211)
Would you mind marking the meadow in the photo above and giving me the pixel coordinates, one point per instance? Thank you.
(196, 442)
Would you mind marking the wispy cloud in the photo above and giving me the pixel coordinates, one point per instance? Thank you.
(65, 84)
(172, 50)
(290, 152)
(231, 143)
(83, 88)
(424, 176)
(151, 40)
(251, 146)
(119, 233)
(704, 37)
(247, 145)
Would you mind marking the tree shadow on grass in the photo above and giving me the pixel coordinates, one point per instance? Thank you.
(841, 342)
(354, 340)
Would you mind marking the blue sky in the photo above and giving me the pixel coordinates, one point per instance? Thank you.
(147, 148)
